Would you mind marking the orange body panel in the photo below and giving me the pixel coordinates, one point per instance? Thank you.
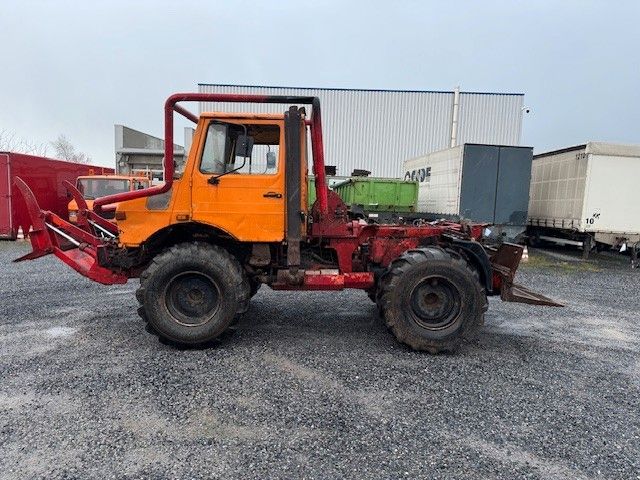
(236, 204)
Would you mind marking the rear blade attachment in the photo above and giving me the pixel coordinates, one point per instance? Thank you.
(75, 246)
(505, 261)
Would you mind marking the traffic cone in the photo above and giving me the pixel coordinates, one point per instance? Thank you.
(20, 235)
(525, 254)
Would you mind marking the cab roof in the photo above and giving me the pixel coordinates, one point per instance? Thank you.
(238, 115)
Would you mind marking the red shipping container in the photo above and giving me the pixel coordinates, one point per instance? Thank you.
(44, 176)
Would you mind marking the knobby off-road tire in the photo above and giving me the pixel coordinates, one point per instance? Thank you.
(254, 286)
(485, 302)
(372, 294)
(431, 300)
(190, 293)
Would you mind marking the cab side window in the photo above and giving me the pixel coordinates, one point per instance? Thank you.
(215, 146)
(263, 161)
(222, 154)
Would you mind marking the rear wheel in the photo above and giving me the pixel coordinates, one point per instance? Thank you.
(431, 300)
(191, 293)
(254, 286)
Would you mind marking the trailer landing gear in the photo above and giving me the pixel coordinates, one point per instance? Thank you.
(634, 255)
(587, 244)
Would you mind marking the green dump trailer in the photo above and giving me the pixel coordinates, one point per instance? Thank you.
(379, 194)
(382, 200)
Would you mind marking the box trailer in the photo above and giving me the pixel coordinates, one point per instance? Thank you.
(44, 176)
(584, 194)
(482, 183)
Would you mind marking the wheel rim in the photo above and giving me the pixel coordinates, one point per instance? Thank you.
(435, 303)
(192, 298)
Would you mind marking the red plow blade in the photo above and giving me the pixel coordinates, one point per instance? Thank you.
(77, 246)
(89, 220)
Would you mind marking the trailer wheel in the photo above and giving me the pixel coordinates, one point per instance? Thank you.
(191, 293)
(431, 300)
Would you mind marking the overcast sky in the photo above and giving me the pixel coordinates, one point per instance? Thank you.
(79, 67)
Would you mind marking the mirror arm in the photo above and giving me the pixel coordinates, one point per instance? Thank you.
(214, 180)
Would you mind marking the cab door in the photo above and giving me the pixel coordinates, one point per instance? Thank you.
(242, 195)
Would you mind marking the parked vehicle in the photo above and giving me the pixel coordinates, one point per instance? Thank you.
(95, 186)
(586, 194)
(44, 176)
(203, 243)
(482, 183)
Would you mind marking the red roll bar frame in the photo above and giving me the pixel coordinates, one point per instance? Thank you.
(171, 106)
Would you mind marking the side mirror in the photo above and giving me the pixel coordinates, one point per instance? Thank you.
(271, 160)
(244, 146)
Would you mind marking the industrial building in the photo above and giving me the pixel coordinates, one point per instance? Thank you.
(377, 130)
(138, 152)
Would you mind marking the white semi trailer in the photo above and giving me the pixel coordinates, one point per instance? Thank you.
(483, 183)
(586, 195)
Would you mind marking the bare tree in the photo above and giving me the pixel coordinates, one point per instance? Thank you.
(65, 150)
(10, 142)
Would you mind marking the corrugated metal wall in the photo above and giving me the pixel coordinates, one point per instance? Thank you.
(377, 130)
(494, 119)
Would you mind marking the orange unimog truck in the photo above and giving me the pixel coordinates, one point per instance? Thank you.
(236, 217)
(96, 186)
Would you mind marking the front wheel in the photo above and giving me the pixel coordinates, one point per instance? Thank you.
(191, 293)
(431, 300)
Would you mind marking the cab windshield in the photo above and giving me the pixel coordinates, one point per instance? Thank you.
(92, 188)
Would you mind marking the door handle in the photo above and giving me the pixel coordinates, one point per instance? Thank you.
(272, 195)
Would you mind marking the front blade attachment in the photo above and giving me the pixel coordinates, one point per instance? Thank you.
(89, 220)
(73, 245)
(505, 261)
(40, 240)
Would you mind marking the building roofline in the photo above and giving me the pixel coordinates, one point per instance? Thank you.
(600, 148)
(356, 89)
(561, 150)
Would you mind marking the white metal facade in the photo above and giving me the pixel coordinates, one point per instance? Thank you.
(589, 188)
(377, 130)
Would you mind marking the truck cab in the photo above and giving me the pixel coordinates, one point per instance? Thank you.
(234, 181)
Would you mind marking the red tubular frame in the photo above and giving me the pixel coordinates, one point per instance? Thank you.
(171, 106)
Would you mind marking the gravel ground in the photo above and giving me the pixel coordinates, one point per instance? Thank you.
(311, 385)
